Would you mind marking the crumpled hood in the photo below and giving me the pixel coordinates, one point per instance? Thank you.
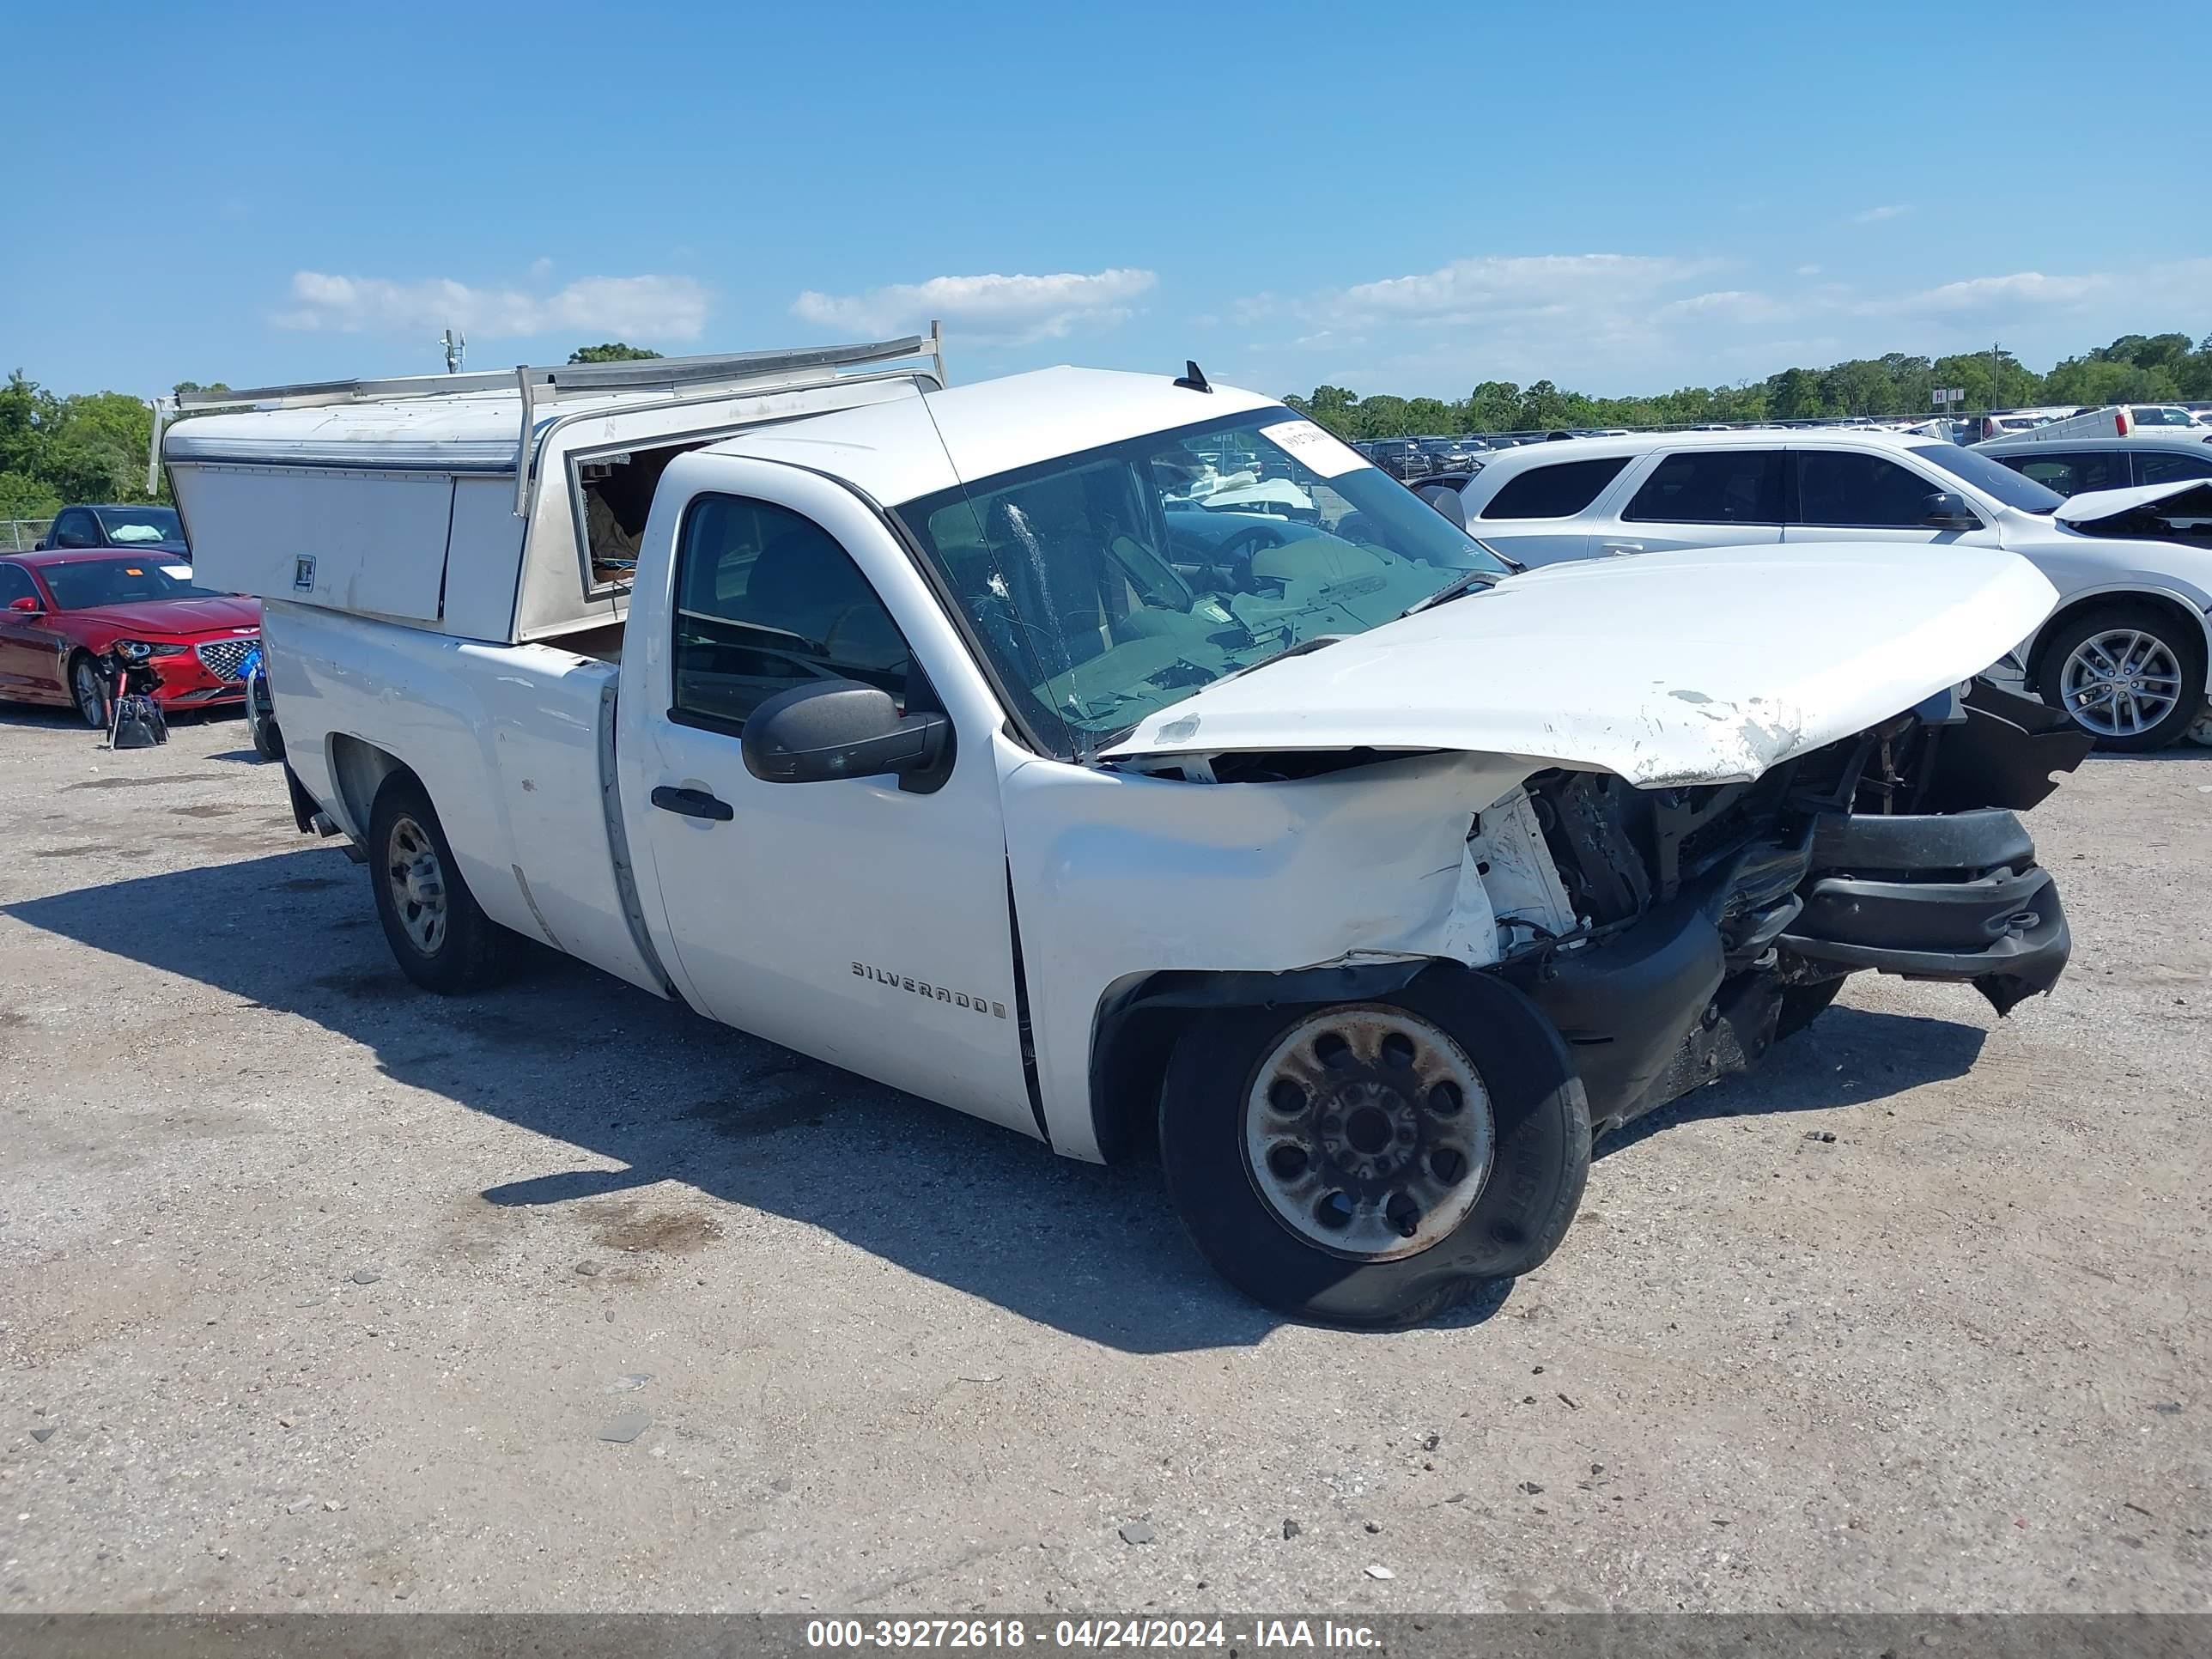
(1699, 666)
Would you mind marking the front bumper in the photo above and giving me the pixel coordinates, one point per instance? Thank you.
(203, 676)
(1954, 897)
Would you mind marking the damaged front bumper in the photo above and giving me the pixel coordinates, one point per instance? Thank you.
(1656, 1000)
(1951, 896)
(1695, 989)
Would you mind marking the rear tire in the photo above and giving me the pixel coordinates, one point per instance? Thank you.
(2128, 675)
(1427, 1194)
(439, 936)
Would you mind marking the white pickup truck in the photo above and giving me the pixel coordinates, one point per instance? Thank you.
(949, 737)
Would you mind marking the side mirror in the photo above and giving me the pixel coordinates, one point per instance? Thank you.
(40, 545)
(1948, 510)
(1446, 500)
(27, 604)
(842, 729)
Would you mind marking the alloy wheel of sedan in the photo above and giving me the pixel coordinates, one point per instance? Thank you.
(2121, 683)
(91, 696)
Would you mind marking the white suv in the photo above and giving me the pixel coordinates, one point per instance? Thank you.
(2125, 653)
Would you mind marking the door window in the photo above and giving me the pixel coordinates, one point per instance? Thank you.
(2072, 471)
(73, 530)
(1558, 491)
(1712, 486)
(16, 584)
(2164, 468)
(1846, 487)
(768, 600)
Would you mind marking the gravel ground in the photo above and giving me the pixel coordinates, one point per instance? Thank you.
(321, 1293)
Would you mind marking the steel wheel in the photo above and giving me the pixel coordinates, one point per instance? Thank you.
(2120, 682)
(1368, 1132)
(417, 883)
(91, 695)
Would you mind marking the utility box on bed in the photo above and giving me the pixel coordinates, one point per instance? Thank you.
(501, 508)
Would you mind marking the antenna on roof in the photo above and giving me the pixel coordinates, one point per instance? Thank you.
(457, 351)
(1193, 377)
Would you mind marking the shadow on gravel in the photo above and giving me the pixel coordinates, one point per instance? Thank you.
(1848, 1057)
(40, 717)
(52, 717)
(578, 1057)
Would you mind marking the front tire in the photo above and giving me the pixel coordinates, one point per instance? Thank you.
(439, 936)
(89, 691)
(1369, 1163)
(2127, 675)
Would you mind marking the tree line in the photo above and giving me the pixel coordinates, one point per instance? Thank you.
(2134, 369)
(91, 446)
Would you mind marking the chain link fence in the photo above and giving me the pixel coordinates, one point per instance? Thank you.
(20, 535)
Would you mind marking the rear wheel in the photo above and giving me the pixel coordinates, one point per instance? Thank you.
(441, 938)
(1369, 1164)
(2128, 675)
(89, 691)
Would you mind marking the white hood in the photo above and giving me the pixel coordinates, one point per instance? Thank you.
(1701, 666)
(2093, 506)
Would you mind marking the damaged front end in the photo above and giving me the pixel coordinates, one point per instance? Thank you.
(1708, 920)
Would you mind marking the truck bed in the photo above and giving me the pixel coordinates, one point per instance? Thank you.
(514, 744)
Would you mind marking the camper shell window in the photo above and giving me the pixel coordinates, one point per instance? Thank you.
(611, 491)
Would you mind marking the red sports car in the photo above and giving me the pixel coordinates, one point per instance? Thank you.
(62, 607)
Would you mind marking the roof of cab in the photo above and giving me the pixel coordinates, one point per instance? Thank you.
(893, 450)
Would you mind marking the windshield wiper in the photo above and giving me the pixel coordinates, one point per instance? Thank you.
(1465, 583)
(1298, 650)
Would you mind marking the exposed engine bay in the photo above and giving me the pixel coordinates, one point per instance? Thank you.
(1673, 935)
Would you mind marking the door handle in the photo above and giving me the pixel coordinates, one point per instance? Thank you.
(692, 804)
(1622, 547)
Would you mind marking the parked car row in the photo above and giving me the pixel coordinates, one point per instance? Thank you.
(1409, 458)
(2124, 653)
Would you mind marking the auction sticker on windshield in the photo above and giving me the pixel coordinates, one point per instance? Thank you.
(1320, 451)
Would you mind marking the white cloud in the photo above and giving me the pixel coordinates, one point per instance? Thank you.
(1004, 310)
(1808, 270)
(1727, 306)
(2028, 290)
(1469, 290)
(1875, 215)
(635, 308)
(1514, 317)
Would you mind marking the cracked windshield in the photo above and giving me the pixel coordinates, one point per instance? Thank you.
(1108, 585)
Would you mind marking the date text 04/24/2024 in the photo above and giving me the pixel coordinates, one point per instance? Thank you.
(1088, 1633)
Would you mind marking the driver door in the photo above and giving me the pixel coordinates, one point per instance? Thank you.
(27, 654)
(858, 920)
(1856, 495)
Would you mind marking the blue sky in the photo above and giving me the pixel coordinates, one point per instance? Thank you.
(1413, 199)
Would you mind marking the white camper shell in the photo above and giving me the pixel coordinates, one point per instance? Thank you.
(503, 508)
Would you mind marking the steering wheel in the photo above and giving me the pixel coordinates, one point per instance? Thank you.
(1255, 538)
